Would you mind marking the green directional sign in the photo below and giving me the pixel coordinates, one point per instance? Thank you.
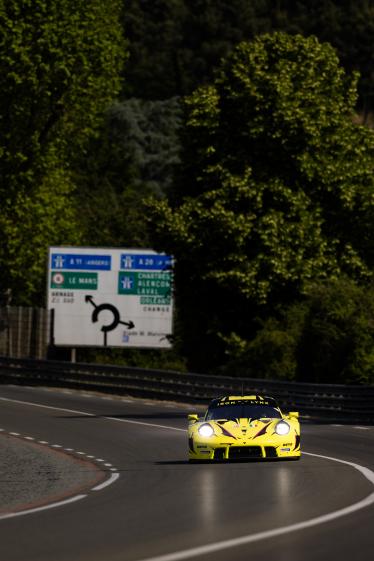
(74, 281)
(154, 285)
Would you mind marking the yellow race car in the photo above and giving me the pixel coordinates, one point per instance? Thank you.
(244, 427)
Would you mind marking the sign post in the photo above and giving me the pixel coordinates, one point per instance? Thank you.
(110, 297)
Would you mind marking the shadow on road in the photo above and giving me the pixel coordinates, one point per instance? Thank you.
(173, 463)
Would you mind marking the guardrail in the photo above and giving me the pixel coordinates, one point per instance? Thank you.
(350, 403)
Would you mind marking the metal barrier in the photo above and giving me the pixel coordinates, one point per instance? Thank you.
(324, 401)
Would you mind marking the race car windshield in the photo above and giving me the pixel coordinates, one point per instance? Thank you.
(242, 411)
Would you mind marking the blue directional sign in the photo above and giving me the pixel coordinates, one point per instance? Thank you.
(145, 261)
(73, 261)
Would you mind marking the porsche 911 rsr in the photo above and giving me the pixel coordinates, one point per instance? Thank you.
(244, 427)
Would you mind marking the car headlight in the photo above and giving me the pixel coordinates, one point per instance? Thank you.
(206, 430)
(282, 428)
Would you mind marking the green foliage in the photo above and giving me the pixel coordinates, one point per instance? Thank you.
(59, 63)
(143, 136)
(347, 24)
(155, 136)
(273, 352)
(154, 30)
(278, 188)
(141, 358)
(337, 340)
(175, 45)
(133, 158)
(30, 223)
(327, 337)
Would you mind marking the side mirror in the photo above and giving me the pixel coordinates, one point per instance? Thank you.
(193, 418)
(293, 415)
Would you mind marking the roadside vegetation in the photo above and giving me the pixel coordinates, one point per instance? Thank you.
(243, 147)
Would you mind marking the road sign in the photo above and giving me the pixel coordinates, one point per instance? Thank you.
(110, 297)
(75, 281)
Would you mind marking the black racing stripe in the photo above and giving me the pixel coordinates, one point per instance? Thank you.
(262, 431)
(226, 432)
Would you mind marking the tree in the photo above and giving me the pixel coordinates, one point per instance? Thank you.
(133, 157)
(347, 24)
(155, 30)
(326, 336)
(175, 45)
(144, 136)
(60, 64)
(275, 175)
(337, 339)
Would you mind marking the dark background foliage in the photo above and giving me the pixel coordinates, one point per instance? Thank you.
(105, 109)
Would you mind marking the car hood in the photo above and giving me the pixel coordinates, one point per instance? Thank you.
(243, 428)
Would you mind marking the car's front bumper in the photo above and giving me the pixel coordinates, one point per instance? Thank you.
(202, 451)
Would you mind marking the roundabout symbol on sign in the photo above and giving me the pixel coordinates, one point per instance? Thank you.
(116, 320)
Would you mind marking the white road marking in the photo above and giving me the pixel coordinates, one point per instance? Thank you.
(90, 414)
(366, 472)
(46, 406)
(250, 538)
(29, 438)
(106, 483)
(244, 540)
(40, 508)
(235, 542)
(145, 424)
(109, 481)
(362, 428)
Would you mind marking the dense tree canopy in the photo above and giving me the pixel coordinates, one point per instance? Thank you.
(272, 205)
(60, 64)
(133, 158)
(278, 188)
(327, 336)
(175, 45)
(348, 25)
(145, 135)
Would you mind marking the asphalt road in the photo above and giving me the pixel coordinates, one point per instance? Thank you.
(162, 507)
